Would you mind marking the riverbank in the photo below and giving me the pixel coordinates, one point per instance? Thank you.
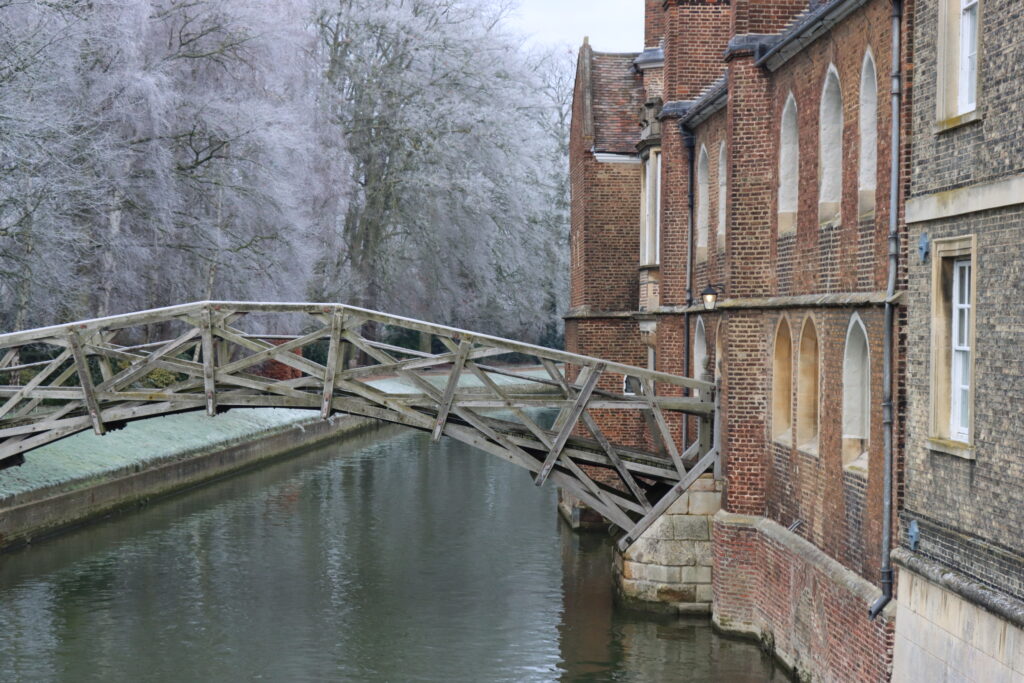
(85, 476)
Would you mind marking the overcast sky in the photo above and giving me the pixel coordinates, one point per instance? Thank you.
(613, 25)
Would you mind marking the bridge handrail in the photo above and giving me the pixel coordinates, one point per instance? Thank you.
(155, 315)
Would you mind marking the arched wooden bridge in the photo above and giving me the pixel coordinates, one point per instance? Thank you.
(99, 374)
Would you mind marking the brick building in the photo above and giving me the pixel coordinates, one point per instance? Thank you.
(961, 554)
(748, 149)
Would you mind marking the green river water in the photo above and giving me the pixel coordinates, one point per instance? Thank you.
(380, 558)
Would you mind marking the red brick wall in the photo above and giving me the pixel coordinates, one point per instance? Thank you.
(615, 339)
(851, 257)
(696, 35)
(753, 158)
(674, 215)
(814, 622)
(654, 22)
(764, 16)
(840, 510)
(713, 269)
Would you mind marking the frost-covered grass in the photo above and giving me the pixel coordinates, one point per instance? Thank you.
(80, 459)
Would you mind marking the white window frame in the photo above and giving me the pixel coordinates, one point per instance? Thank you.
(960, 352)
(967, 81)
(703, 204)
(723, 191)
(650, 234)
(953, 321)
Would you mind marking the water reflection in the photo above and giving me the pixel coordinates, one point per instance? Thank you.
(382, 559)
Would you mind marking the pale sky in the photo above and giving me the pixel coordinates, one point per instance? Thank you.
(613, 25)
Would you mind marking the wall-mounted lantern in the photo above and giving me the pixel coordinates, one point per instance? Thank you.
(710, 296)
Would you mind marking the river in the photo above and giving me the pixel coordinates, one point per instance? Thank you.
(380, 558)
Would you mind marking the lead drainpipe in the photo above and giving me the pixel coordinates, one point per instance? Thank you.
(689, 140)
(887, 410)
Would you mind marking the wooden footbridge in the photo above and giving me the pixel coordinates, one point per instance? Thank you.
(99, 374)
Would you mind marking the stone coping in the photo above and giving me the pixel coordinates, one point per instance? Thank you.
(995, 601)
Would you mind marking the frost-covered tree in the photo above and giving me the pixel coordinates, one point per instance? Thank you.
(450, 146)
(399, 154)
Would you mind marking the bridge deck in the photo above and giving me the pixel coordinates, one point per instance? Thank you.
(98, 374)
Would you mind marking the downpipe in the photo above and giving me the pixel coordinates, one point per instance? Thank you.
(887, 360)
(690, 141)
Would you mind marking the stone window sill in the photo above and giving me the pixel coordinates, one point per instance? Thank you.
(954, 122)
(810, 448)
(858, 466)
(785, 439)
(949, 447)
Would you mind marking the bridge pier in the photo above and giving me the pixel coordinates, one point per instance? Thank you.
(668, 569)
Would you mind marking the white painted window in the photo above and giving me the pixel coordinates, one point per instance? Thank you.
(700, 350)
(789, 167)
(856, 391)
(868, 114)
(807, 390)
(830, 149)
(650, 231)
(960, 394)
(782, 383)
(722, 187)
(702, 204)
(967, 83)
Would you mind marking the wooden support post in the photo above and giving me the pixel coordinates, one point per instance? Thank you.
(662, 427)
(9, 357)
(334, 358)
(85, 380)
(666, 501)
(449, 391)
(572, 417)
(209, 364)
(613, 455)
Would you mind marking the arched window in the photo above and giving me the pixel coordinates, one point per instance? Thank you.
(789, 167)
(856, 391)
(868, 135)
(721, 195)
(700, 350)
(702, 205)
(650, 212)
(807, 390)
(782, 383)
(830, 150)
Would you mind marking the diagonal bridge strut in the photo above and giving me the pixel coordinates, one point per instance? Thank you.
(482, 390)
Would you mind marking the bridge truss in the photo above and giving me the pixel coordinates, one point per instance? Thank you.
(99, 374)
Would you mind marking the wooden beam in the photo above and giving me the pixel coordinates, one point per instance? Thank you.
(61, 358)
(209, 363)
(333, 360)
(85, 381)
(662, 426)
(572, 417)
(613, 455)
(449, 391)
(666, 501)
(145, 364)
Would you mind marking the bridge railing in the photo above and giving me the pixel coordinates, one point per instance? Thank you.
(100, 373)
